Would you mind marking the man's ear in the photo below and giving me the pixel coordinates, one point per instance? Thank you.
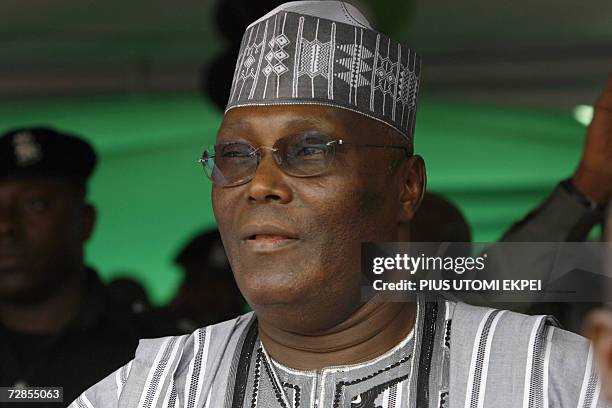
(413, 181)
(598, 328)
(89, 221)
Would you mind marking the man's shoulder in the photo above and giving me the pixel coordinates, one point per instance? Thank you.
(516, 332)
(479, 320)
(518, 359)
(472, 325)
(214, 334)
(191, 359)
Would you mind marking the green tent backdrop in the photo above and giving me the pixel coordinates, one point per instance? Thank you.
(494, 163)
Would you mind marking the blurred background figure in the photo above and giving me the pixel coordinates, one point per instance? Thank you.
(208, 293)
(598, 325)
(58, 323)
(231, 19)
(437, 220)
(440, 223)
(129, 294)
(570, 212)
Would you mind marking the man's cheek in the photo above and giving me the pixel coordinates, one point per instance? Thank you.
(219, 202)
(215, 205)
(225, 216)
(369, 201)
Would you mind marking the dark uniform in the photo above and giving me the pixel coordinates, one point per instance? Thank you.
(100, 339)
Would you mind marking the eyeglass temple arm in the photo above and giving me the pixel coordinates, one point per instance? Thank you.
(404, 148)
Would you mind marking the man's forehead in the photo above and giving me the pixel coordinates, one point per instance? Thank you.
(292, 116)
(285, 119)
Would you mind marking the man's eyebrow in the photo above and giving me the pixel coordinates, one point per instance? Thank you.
(240, 124)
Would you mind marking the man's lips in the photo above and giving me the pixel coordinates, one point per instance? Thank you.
(266, 231)
(267, 237)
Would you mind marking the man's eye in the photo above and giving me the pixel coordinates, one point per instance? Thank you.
(235, 153)
(310, 151)
(236, 150)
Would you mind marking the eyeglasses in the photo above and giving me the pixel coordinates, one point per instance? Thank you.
(309, 154)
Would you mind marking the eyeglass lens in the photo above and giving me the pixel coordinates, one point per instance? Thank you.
(301, 155)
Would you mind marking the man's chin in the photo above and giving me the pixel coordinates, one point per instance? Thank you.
(18, 292)
(304, 316)
(276, 295)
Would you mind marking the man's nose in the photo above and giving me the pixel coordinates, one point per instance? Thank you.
(270, 183)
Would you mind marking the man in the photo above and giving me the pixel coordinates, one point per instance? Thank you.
(208, 293)
(130, 294)
(438, 220)
(57, 327)
(568, 214)
(578, 203)
(313, 157)
(598, 325)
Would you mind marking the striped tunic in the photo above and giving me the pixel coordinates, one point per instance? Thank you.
(457, 356)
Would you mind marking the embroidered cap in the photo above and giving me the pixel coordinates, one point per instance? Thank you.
(44, 151)
(327, 53)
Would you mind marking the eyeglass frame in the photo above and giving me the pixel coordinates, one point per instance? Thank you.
(279, 160)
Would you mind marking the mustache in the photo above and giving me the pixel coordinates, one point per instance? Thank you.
(278, 216)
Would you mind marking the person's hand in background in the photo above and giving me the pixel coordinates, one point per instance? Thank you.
(598, 328)
(593, 177)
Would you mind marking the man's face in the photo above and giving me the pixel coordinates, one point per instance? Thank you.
(43, 224)
(294, 243)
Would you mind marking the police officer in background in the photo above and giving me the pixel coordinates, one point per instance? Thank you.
(208, 293)
(58, 326)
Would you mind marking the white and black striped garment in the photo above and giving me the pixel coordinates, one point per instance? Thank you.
(505, 359)
(456, 356)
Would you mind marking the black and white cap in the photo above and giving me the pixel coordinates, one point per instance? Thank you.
(327, 53)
